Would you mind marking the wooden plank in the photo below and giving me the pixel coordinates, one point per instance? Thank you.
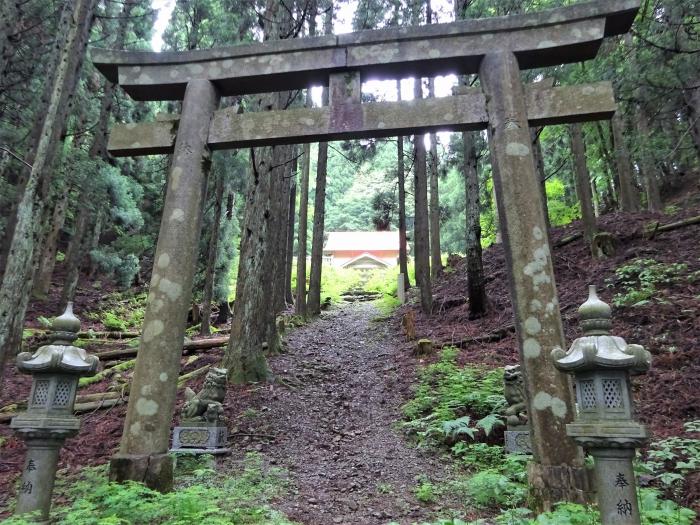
(466, 111)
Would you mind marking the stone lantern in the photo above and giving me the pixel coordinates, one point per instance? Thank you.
(49, 418)
(601, 365)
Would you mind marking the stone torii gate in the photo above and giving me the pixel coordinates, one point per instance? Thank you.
(497, 49)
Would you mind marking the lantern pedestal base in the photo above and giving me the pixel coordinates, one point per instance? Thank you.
(38, 476)
(616, 486)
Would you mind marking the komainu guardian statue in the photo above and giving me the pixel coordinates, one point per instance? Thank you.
(517, 434)
(514, 391)
(207, 404)
(202, 426)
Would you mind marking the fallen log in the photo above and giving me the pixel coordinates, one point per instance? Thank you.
(104, 374)
(491, 337)
(96, 401)
(649, 231)
(82, 404)
(89, 334)
(188, 346)
(97, 396)
(568, 239)
(653, 230)
(108, 335)
(96, 405)
(191, 375)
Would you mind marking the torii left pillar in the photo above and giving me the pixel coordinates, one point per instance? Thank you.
(143, 454)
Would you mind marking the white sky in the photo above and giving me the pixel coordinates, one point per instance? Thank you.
(381, 89)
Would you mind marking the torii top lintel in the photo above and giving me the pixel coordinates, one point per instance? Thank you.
(540, 39)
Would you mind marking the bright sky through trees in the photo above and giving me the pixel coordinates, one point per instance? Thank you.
(383, 90)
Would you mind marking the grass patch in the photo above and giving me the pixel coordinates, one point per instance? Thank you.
(202, 496)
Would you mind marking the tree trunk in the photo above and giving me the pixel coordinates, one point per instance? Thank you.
(646, 161)
(93, 241)
(314, 305)
(583, 182)
(52, 73)
(629, 198)
(611, 181)
(421, 229)
(692, 101)
(314, 300)
(17, 278)
(300, 304)
(8, 14)
(435, 252)
(205, 328)
(539, 169)
(245, 358)
(253, 327)
(280, 270)
(476, 284)
(78, 246)
(403, 252)
(288, 293)
(74, 256)
(48, 258)
(226, 260)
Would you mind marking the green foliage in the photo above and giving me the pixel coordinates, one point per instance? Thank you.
(113, 323)
(653, 510)
(426, 492)
(122, 311)
(385, 282)
(336, 281)
(460, 426)
(560, 211)
(478, 456)
(670, 460)
(448, 396)
(123, 268)
(638, 280)
(201, 496)
(657, 511)
(491, 488)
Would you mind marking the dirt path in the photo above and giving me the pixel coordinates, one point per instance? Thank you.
(329, 421)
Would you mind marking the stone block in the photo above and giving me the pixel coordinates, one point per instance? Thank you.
(209, 439)
(518, 441)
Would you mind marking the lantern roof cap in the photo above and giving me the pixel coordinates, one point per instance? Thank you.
(67, 321)
(597, 349)
(60, 356)
(595, 314)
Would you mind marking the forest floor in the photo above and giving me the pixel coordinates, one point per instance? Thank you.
(329, 419)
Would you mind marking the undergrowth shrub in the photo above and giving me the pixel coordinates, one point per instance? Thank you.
(670, 460)
(122, 311)
(202, 496)
(638, 280)
(653, 511)
(491, 488)
(449, 397)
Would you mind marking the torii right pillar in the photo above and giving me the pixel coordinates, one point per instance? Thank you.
(556, 472)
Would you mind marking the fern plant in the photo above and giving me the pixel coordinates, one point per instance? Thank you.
(449, 397)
